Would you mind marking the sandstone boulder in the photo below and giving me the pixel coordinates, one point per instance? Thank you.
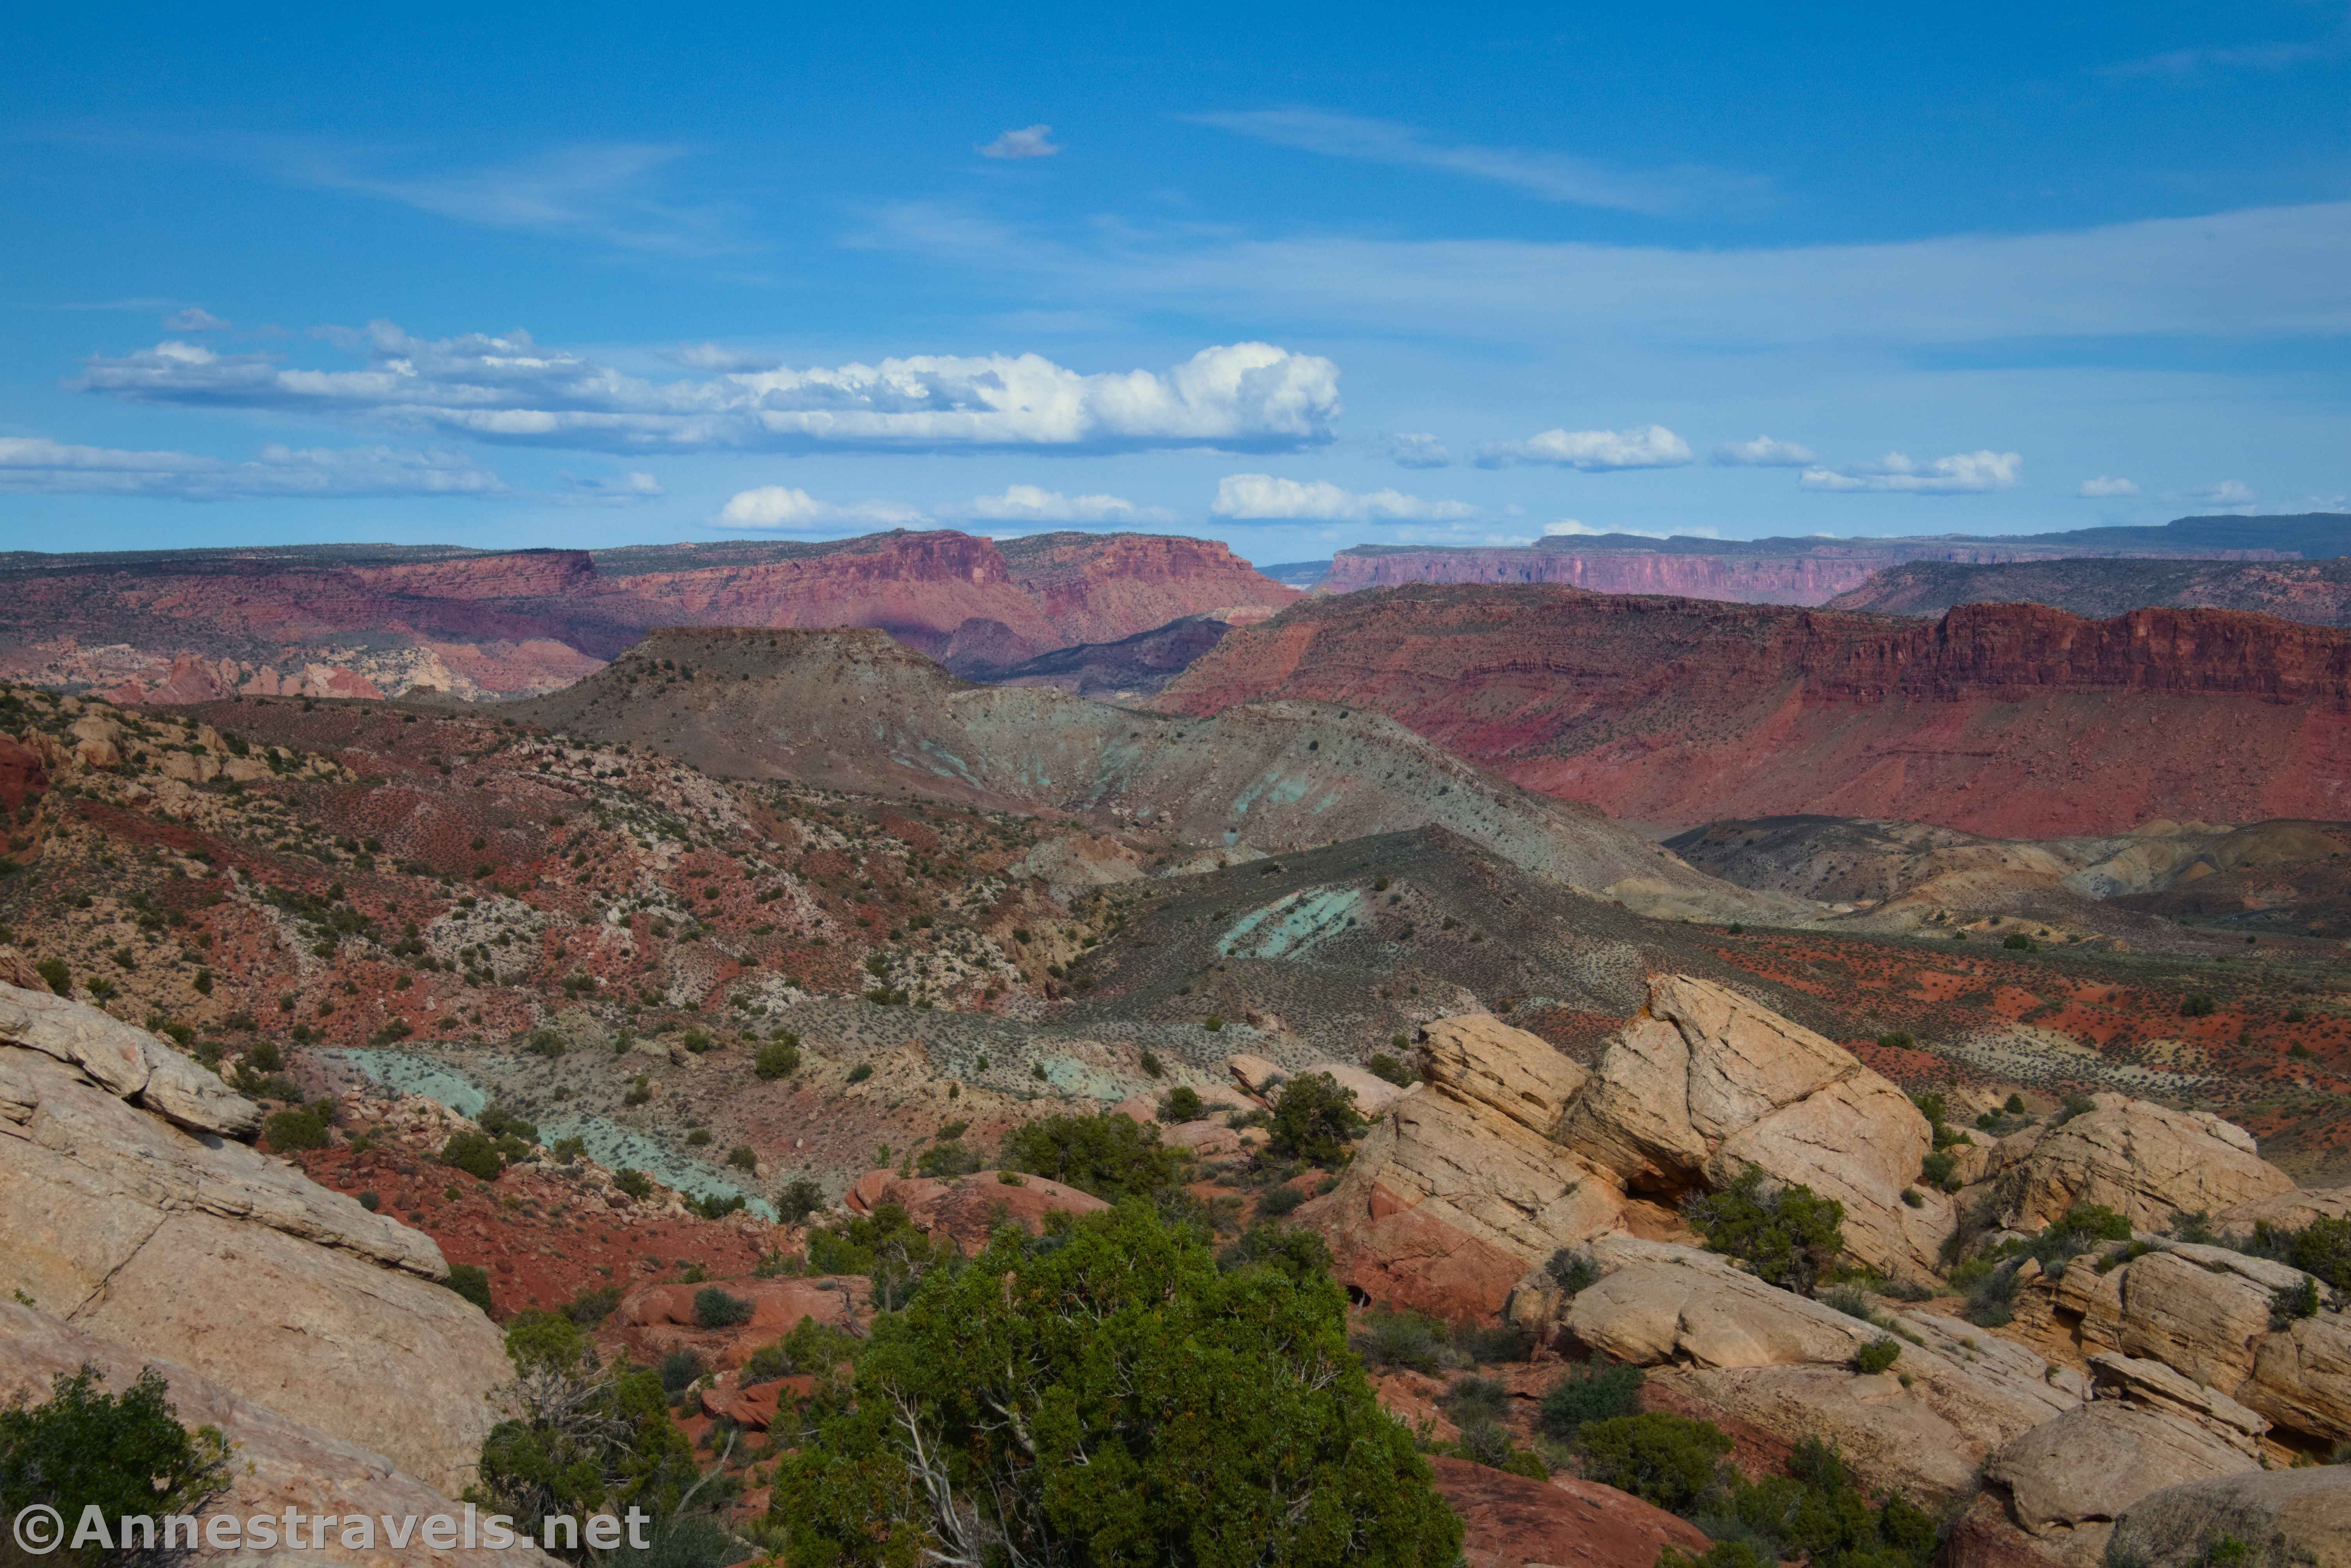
(2286, 1211)
(127, 1062)
(1254, 1074)
(2143, 1160)
(1513, 1521)
(1706, 1082)
(1518, 1075)
(2302, 1378)
(237, 1266)
(2300, 1518)
(275, 1463)
(1372, 1092)
(1448, 1203)
(964, 1209)
(2065, 1482)
(659, 1319)
(1724, 1340)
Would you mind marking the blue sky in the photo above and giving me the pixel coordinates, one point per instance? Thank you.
(1291, 277)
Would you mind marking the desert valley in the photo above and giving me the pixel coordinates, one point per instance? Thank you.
(1866, 1083)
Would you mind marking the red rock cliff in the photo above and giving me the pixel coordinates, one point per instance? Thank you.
(2005, 719)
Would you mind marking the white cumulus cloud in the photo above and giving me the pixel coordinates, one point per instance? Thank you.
(1028, 141)
(1761, 452)
(34, 465)
(1418, 449)
(1035, 503)
(782, 507)
(1242, 396)
(1264, 496)
(1594, 451)
(2106, 485)
(1962, 474)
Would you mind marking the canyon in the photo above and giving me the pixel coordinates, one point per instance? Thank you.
(370, 622)
(2013, 721)
(1815, 570)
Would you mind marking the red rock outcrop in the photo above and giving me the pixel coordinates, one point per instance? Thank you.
(964, 1210)
(2010, 720)
(1511, 1520)
(188, 626)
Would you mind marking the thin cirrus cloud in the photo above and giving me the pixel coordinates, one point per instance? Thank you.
(621, 490)
(2226, 493)
(1418, 449)
(1035, 503)
(1961, 474)
(1028, 141)
(34, 465)
(1549, 176)
(1592, 451)
(195, 318)
(2105, 486)
(783, 508)
(508, 389)
(608, 192)
(1761, 452)
(1262, 496)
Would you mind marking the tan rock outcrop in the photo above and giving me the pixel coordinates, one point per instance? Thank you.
(1724, 1340)
(2298, 1517)
(276, 1463)
(237, 1266)
(1448, 1203)
(2067, 1480)
(2143, 1160)
(1706, 1082)
(2302, 1378)
(127, 1062)
(2286, 1211)
(1479, 1057)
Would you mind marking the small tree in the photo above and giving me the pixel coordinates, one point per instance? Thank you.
(1315, 1119)
(122, 1455)
(1787, 1234)
(799, 1198)
(1107, 1395)
(778, 1059)
(1108, 1155)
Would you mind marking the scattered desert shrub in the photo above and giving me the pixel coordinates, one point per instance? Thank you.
(1668, 1460)
(472, 1153)
(715, 1308)
(1787, 1233)
(1315, 1119)
(1595, 1391)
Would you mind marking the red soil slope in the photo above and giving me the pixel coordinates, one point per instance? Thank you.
(2009, 720)
(195, 626)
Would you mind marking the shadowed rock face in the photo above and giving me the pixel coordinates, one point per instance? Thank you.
(854, 710)
(368, 622)
(2017, 721)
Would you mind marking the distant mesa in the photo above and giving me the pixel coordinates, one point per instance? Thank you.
(2317, 592)
(2015, 721)
(1816, 570)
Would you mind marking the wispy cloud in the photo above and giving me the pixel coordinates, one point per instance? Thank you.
(1262, 495)
(1761, 452)
(1035, 503)
(2105, 486)
(2230, 495)
(33, 465)
(782, 508)
(1962, 474)
(620, 490)
(2252, 272)
(1550, 176)
(195, 318)
(1417, 449)
(1592, 451)
(1243, 397)
(1028, 141)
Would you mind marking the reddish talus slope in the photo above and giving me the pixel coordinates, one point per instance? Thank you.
(2011, 721)
(186, 626)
